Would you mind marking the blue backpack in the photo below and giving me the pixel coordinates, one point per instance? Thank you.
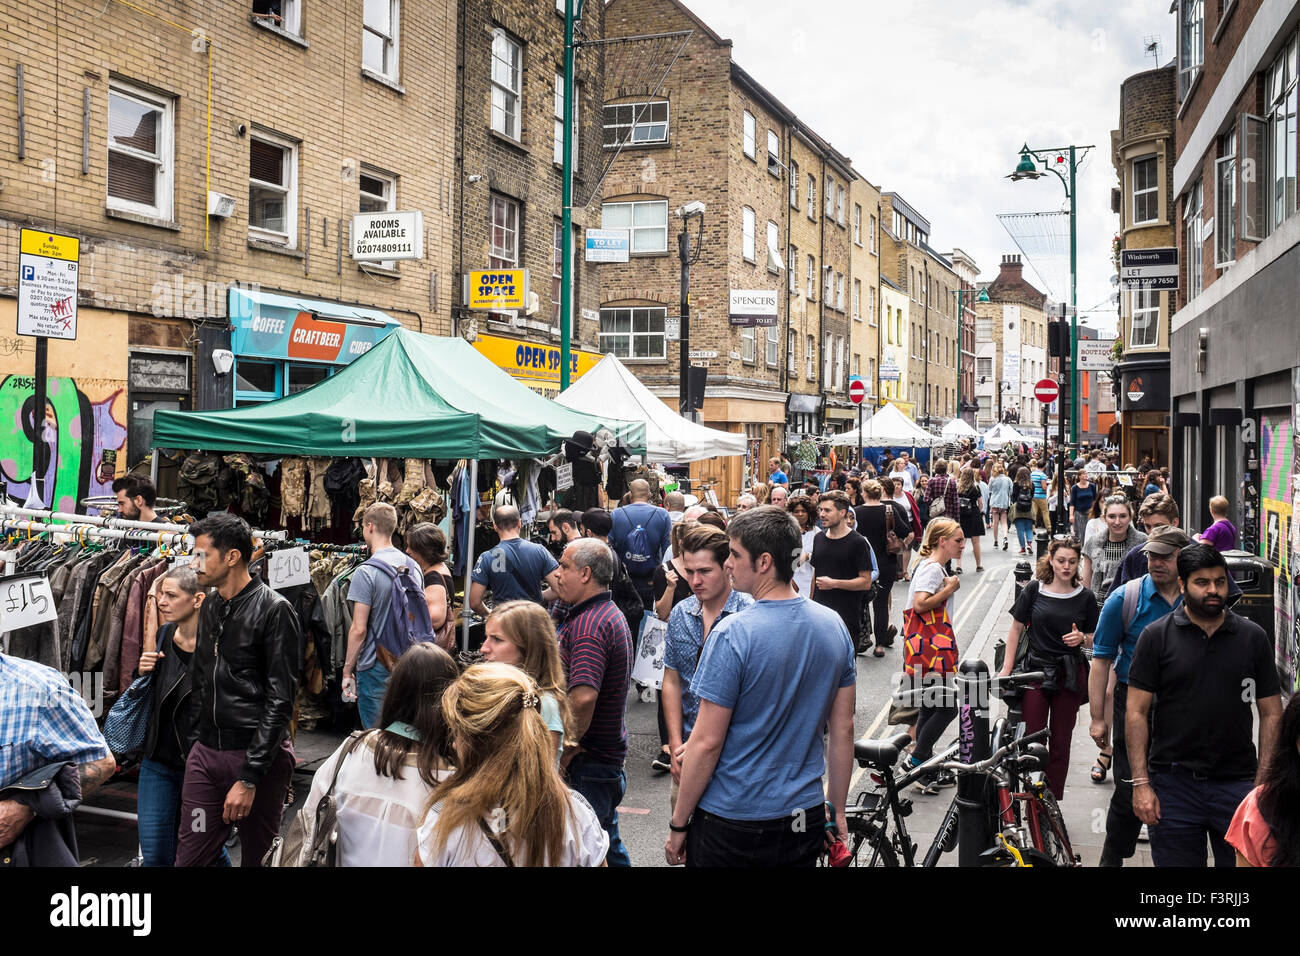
(408, 619)
(638, 552)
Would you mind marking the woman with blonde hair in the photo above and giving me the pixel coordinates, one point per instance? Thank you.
(761, 492)
(930, 644)
(999, 502)
(970, 505)
(505, 805)
(522, 633)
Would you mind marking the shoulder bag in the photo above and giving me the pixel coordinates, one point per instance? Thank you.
(292, 850)
(893, 543)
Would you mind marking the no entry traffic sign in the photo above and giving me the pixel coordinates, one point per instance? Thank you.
(1046, 391)
(857, 391)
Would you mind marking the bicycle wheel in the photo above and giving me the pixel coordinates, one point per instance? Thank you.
(870, 845)
(1053, 841)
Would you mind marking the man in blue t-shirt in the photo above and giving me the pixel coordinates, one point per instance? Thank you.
(1113, 643)
(769, 682)
(515, 570)
(657, 528)
(1039, 478)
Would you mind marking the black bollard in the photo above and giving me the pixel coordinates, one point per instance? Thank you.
(974, 835)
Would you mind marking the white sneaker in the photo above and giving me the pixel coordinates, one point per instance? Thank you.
(1144, 835)
(647, 694)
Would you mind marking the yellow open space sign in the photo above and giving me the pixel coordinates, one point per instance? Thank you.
(497, 289)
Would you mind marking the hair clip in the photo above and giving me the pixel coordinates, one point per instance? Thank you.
(531, 700)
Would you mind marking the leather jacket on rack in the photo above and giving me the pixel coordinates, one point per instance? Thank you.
(245, 674)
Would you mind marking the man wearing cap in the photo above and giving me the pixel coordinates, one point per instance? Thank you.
(1149, 598)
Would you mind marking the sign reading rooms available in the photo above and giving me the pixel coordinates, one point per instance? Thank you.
(380, 236)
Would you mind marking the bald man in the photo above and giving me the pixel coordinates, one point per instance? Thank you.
(514, 570)
(675, 502)
(640, 536)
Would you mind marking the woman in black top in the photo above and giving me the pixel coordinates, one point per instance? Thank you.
(172, 718)
(873, 523)
(1060, 616)
(426, 543)
(971, 506)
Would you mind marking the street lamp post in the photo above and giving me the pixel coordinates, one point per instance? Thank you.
(692, 210)
(1053, 160)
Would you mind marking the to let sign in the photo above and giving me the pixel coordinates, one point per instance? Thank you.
(608, 245)
(47, 285)
(753, 307)
(1149, 268)
(497, 289)
(1046, 391)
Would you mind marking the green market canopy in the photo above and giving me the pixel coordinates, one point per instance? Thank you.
(411, 396)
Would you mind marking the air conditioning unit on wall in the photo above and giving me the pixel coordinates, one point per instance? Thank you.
(221, 205)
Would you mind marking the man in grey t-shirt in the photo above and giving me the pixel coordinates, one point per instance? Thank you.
(371, 595)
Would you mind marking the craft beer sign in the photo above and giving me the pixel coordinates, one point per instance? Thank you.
(383, 236)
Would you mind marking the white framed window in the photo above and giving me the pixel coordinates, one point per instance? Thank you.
(1146, 190)
(140, 136)
(773, 352)
(857, 299)
(1281, 96)
(839, 204)
(811, 291)
(791, 349)
(794, 185)
(747, 234)
(828, 286)
(839, 291)
(380, 24)
(792, 272)
(828, 360)
(774, 263)
(636, 124)
(841, 361)
(749, 134)
(1146, 319)
(557, 272)
(273, 189)
(747, 347)
(558, 111)
(1193, 248)
(773, 153)
(284, 14)
(871, 236)
(634, 332)
(857, 224)
(810, 354)
(829, 197)
(1225, 202)
(1191, 43)
(377, 193)
(647, 222)
(503, 223)
(812, 197)
(507, 79)
(857, 361)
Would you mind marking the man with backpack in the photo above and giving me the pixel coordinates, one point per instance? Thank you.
(1124, 616)
(640, 535)
(389, 613)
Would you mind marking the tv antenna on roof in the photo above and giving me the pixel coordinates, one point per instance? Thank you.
(1151, 48)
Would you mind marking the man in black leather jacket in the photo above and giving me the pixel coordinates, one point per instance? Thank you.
(245, 675)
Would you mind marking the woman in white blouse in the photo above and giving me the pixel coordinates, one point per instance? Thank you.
(385, 780)
(506, 804)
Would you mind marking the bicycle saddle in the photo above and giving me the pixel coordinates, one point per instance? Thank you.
(880, 753)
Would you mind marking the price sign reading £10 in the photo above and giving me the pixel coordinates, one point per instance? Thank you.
(288, 568)
(26, 601)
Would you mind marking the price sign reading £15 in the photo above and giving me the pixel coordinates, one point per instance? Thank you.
(26, 601)
(288, 568)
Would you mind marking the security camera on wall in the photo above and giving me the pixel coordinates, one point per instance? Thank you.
(692, 208)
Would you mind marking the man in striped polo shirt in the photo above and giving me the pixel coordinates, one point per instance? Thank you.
(596, 648)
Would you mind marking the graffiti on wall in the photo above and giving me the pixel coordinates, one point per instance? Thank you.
(79, 428)
(1277, 456)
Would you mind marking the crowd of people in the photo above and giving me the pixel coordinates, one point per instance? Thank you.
(515, 755)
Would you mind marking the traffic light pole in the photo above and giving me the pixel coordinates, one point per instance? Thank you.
(684, 351)
(1062, 519)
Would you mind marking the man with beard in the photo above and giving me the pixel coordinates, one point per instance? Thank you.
(135, 498)
(1207, 665)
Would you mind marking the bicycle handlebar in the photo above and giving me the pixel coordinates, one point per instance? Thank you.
(983, 766)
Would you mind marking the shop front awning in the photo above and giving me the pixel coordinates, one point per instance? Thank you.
(276, 326)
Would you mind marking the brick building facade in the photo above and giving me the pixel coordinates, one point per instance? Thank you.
(1010, 347)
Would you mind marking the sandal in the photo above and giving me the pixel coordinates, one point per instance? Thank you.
(1099, 769)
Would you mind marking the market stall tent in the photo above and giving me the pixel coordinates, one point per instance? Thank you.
(958, 428)
(610, 389)
(411, 396)
(889, 427)
(1002, 434)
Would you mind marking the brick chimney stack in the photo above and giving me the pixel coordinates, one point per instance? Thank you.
(1012, 269)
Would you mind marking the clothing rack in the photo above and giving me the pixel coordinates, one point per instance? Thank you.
(177, 539)
(111, 522)
(331, 548)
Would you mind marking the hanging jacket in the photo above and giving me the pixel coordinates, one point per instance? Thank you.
(52, 792)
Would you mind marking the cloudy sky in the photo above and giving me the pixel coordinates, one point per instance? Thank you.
(933, 99)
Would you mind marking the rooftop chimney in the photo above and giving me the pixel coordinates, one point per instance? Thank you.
(1011, 269)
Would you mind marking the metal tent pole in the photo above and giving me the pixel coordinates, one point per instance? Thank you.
(471, 519)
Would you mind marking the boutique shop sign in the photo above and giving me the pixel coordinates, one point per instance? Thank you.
(384, 236)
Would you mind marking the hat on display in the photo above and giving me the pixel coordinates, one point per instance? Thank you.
(579, 446)
(1166, 540)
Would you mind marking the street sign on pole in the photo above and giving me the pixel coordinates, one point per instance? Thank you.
(857, 391)
(1046, 391)
(47, 285)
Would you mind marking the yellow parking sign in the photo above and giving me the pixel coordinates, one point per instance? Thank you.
(497, 289)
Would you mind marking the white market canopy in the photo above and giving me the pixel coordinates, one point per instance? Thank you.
(1002, 434)
(889, 427)
(958, 428)
(669, 437)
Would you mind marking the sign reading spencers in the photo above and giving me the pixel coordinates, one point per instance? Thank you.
(753, 307)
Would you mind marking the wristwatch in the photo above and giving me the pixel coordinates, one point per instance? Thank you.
(248, 786)
(681, 829)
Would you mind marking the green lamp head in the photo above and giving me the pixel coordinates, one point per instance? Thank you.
(983, 296)
(1027, 169)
